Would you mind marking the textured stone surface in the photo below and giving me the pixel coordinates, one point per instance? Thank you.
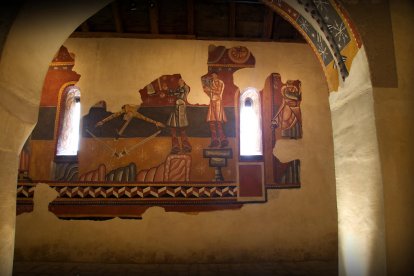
(8, 175)
(13, 135)
(358, 175)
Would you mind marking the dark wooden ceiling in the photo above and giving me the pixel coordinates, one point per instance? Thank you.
(246, 20)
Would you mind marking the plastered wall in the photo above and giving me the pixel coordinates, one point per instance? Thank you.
(294, 224)
(395, 124)
(387, 34)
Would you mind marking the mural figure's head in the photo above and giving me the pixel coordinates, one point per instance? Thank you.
(214, 76)
(181, 82)
(290, 85)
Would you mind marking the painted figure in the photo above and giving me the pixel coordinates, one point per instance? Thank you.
(178, 118)
(216, 115)
(128, 112)
(289, 117)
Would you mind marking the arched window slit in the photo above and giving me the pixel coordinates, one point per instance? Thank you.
(68, 134)
(251, 143)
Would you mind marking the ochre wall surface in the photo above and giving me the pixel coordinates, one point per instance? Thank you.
(294, 224)
(395, 125)
(387, 35)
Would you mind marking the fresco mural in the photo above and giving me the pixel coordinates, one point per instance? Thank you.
(328, 30)
(283, 114)
(288, 117)
(165, 151)
(216, 117)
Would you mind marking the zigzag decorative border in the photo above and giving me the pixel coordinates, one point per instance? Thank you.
(25, 191)
(135, 191)
(96, 200)
(147, 192)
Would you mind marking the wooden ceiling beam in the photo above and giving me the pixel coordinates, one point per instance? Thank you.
(232, 19)
(117, 17)
(154, 14)
(268, 23)
(276, 27)
(173, 36)
(130, 35)
(271, 27)
(190, 17)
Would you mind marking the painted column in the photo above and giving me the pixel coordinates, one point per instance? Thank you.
(359, 186)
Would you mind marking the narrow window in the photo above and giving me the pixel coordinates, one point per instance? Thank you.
(250, 124)
(68, 134)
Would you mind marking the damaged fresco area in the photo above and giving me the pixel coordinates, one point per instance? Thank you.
(165, 151)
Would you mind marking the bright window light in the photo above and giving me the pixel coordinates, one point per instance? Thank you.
(68, 137)
(250, 123)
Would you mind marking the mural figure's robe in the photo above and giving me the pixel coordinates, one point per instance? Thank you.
(289, 117)
(178, 119)
(216, 112)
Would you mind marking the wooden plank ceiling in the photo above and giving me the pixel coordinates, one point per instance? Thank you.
(245, 20)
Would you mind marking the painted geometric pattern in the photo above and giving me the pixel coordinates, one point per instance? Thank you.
(334, 22)
(25, 191)
(325, 15)
(332, 25)
(307, 28)
(317, 40)
(176, 191)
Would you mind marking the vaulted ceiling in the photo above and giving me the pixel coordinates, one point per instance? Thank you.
(246, 20)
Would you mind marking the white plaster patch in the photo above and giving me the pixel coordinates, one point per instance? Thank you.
(358, 175)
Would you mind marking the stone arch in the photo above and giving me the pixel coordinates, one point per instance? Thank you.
(328, 30)
(25, 60)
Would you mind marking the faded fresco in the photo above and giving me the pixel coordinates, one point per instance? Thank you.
(335, 40)
(161, 150)
(286, 124)
(283, 118)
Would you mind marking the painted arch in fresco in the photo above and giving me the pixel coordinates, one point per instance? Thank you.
(328, 29)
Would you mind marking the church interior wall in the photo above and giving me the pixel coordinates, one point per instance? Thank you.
(386, 33)
(392, 113)
(296, 224)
